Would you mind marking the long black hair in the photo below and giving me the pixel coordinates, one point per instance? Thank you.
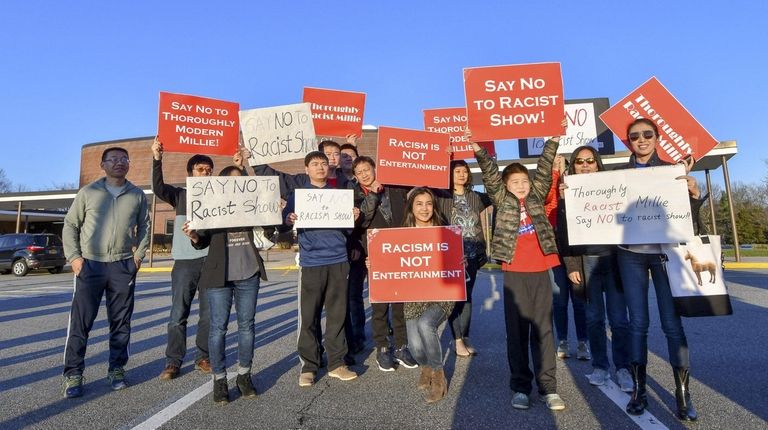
(595, 155)
(410, 220)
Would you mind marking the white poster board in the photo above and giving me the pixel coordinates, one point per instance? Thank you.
(694, 268)
(324, 208)
(582, 130)
(233, 201)
(629, 207)
(278, 133)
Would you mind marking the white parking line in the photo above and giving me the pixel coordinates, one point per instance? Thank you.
(646, 421)
(176, 407)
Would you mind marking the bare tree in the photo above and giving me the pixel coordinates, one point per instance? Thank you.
(5, 184)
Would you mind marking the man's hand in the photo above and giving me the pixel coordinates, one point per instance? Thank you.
(575, 277)
(356, 212)
(291, 219)
(376, 187)
(77, 265)
(191, 234)
(157, 149)
(137, 260)
(238, 158)
(352, 139)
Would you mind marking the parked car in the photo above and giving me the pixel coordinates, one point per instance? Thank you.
(20, 253)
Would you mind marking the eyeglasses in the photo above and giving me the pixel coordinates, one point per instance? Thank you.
(114, 160)
(589, 160)
(203, 170)
(647, 134)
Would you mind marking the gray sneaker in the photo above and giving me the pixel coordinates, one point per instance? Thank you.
(554, 402)
(625, 380)
(562, 350)
(520, 401)
(582, 351)
(598, 376)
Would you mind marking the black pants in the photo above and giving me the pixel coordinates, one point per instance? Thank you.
(354, 326)
(185, 276)
(528, 316)
(118, 280)
(381, 328)
(322, 286)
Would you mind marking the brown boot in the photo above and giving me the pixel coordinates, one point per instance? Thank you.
(425, 378)
(438, 387)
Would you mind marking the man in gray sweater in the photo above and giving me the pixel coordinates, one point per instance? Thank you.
(106, 234)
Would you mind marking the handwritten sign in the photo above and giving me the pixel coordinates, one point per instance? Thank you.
(516, 101)
(197, 124)
(336, 113)
(419, 264)
(233, 201)
(278, 133)
(412, 157)
(324, 208)
(453, 122)
(584, 128)
(679, 132)
(634, 206)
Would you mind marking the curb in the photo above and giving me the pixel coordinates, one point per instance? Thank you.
(168, 269)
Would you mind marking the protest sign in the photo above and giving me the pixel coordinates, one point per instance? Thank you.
(336, 113)
(584, 128)
(418, 264)
(680, 134)
(233, 201)
(412, 157)
(515, 101)
(453, 121)
(632, 206)
(197, 124)
(324, 208)
(278, 133)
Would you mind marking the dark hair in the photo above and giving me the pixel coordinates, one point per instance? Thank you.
(363, 159)
(198, 159)
(313, 155)
(323, 144)
(410, 220)
(113, 148)
(229, 169)
(595, 155)
(461, 163)
(349, 146)
(513, 168)
(643, 121)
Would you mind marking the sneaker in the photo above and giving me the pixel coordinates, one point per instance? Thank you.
(582, 351)
(116, 378)
(520, 401)
(203, 365)
(220, 391)
(562, 350)
(73, 386)
(404, 357)
(625, 380)
(171, 371)
(307, 379)
(384, 360)
(598, 376)
(245, 385)
(343, 373)
(554, 402)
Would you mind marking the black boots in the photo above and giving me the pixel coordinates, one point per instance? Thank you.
(639, 401)
(245, 385)
(685, 409)
(220, 391)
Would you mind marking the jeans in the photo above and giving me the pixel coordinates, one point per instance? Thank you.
(185, 276)
(461, 317)
(634, 268)
(354, 326)
(562, 291)
(602, 278)
(423, 338)
(245, 293)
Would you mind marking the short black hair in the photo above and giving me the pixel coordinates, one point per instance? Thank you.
(313, 155)
(113, 148)
(323, 144)
(229, 169)
(363, 159)
(198, 159)
(513, 168)
(461, 163)
(349, 146)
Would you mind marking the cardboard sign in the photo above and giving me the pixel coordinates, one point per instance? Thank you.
(197, 124)
(453, 122)
(584, 128)
(412, 157)
(278, 133)
(680, 134)
(628, 207)
(233, 201)
(336, 113)
(516, 101)
(418, 264)
(324, 208)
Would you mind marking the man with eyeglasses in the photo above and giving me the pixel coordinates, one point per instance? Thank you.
(187, 266)
(106, 234)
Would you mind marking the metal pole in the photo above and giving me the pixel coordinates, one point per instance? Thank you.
(152, 232)
(726, 176)
(711, 202)
(18, 219)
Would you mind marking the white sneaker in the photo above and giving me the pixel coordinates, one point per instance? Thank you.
(625, 380)
(562, 350)
(598, 376)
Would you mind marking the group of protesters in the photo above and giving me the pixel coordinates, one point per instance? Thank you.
(106, 235)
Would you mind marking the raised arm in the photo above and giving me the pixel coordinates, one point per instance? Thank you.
(163, 191)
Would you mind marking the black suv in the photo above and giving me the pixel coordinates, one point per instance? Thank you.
(20, 253)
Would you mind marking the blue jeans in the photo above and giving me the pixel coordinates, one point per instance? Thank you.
(185, 276)
(423, 338)
(634, 268)
(461, 317)
(245, 293)
(602, 278)
(562, 290)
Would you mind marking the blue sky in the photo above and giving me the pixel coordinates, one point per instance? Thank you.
(79, 72)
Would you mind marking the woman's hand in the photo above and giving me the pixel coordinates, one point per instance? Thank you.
(575, 277)
(693, 187)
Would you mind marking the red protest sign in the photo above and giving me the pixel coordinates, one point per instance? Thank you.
(412, 157)
(453, 121)
(679, 132)
(515, 101)
(418, 264)
(198, 124)
(334, 112)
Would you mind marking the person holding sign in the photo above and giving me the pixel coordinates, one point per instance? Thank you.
(635, 262)
(525, 243)
(232, 271)
(323, 272)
